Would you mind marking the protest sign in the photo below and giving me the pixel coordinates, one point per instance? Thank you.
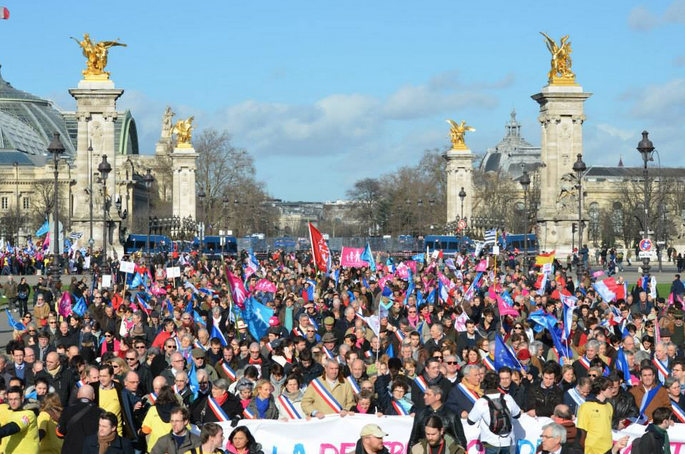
(351, 257)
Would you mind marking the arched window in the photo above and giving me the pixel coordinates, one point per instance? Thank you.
(593, 214)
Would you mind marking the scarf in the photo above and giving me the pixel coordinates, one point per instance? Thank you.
(105, 442)
(475, 389)
(663, 433)
(262, 406)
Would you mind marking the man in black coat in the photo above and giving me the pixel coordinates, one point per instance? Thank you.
(78, 421)
(433, 405)
(201, 412)
(107, 433)
(430, 376)
(543, 397)
(59, 377)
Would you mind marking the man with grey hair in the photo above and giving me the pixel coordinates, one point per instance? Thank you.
(554, 440)
(217, 406)
(582, 364)
(661, 361)
(464, 394)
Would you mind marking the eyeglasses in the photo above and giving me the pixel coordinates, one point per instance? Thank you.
(53, 323)
(451, 363)
(203, 383)
(140, 347)
(170, 346)
(592, 375)
(131, 359)
(108, 335)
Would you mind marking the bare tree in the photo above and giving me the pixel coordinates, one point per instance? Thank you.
(365, 196)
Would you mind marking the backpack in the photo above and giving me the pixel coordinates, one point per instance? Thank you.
(500, 416)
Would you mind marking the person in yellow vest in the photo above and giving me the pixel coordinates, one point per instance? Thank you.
(157, 422)
(328, 394)
(50, 411)
(20, 426)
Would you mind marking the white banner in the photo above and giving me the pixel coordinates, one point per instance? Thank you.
(336, 435)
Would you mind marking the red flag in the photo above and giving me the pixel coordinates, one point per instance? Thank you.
(4, 13)
(320, 252)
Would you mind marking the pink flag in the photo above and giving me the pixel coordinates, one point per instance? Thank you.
(351, 257)
(412, 265)
(598, 273)
(504, 309)
(238, 291)
(64, 305)
(382, 281)
(460, 322)
(265, 286)
(482, 266)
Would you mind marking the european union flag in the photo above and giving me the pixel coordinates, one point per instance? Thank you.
(563, 350)
(504, 356)
(256, 316)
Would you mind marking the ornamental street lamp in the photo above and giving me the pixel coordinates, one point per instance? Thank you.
(201, 195)
(56, 149)
(104, 168)
(646, 148)
(579, 168)
(462, 196)
(525, 184)
(148, 179)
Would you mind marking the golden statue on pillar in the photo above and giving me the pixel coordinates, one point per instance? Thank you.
(96, 57)
(560, 72)
(457, 132)
(184, 131)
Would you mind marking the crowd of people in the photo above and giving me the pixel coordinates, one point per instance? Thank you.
(146, 365)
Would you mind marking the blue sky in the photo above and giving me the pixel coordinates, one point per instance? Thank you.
(323, 93)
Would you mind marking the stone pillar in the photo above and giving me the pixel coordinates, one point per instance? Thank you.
(184, 165)
(561, 119)
(96, 113)
(459, 175)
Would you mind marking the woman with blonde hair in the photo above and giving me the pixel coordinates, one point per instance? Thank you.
(50, 411)
(263, 404)
(120, 368)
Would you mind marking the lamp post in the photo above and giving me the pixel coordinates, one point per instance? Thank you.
(462, 196)
(579, 168)
(15, 164)
(525, 184)
(56, 149)
(201, 195)
(91, 241)
(148, 179)
(646, 148)
(104, 168)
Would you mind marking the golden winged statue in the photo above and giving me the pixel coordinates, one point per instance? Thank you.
(184, 131)
(560, 72)
(457, 132)
(96, 56)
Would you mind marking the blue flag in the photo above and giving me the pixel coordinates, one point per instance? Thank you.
(504, 356)
(563, 350)
(310, 289)
(507, 298)
(43, 229)
(192, 378)
(137, 280)
(256, 316)
(219, 335)
(419, 258)
(622, 365)
(367, 256)
(13, 323)
(197, 318)
(390, 351)
(80, 307)
(542, 320)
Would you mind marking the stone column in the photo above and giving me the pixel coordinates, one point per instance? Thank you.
(96, 113)
(459, 170)
(561, 119)
(184, 165)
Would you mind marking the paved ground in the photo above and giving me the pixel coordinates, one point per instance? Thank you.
(630, 273)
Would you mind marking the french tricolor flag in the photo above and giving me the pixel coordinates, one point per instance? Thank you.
(4, 13)
(604, 291)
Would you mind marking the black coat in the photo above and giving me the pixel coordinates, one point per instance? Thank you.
(126, 411)
(650, 443)
(119, 446)
(63, 382)
(624, 407)
(200, 412)
(28, 373)
(543, 401)
(417, 394)
(451, 421)
(74, 432)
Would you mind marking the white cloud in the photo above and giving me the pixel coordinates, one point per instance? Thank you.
(613, 131)
(665, 102)
(643, 19)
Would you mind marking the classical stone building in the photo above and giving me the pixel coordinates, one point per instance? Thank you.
(95, 129)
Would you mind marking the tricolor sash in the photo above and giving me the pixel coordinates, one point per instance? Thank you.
(585, 362)
(489, 364)
(326, 395)
(421, 383)
(400, 336)
(219, 412)
(298, 332)
(199, 345)
(176, 390)
(152, 397)
(577, 398)
(329, 354)
(289, 407)
(399, 409)
(368, 354)
(663, 370)
(471, 395)
(678, 412)
(80, 383)
(230, 373)
(647, 399)
(353, 384)
(248, 414)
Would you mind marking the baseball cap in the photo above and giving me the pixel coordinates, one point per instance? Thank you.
(373, 430)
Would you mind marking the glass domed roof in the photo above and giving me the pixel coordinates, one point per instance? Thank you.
(27, 122)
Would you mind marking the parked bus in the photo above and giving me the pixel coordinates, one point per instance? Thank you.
(136, 243)
(449, 245)
(517, 241)
(211, 245)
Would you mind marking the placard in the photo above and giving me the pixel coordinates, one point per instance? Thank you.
(127, 267)
(173, 272)
(107, 281)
